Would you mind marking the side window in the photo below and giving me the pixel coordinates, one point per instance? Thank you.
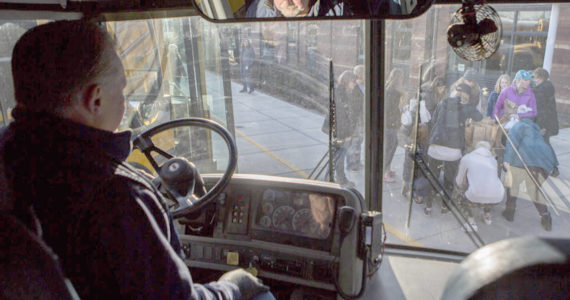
(462, 152)
(10, 32)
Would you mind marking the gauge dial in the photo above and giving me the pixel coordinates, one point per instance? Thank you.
(304, 222)
(282, 217)
(269, 195)
(265, 221)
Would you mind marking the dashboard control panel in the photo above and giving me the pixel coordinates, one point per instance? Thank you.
(285, 230)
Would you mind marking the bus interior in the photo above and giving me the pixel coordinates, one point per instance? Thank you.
(311, 192)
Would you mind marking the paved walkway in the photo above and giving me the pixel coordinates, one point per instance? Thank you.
(278, 138)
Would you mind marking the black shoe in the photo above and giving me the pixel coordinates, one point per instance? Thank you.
(546, 222)
(555, 172)
(509, 215)
(243, 91)
(251, 91)
(427, 211)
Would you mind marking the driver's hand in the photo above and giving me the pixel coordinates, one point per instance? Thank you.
(249, 286)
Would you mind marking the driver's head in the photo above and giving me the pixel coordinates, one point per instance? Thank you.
(70, 69)
(293, 8)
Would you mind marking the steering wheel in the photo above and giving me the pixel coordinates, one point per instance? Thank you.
(178, 176)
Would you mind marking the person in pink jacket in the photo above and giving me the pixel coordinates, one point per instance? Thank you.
(519, 94)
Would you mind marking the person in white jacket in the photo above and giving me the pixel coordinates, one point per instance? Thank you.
(478, 174)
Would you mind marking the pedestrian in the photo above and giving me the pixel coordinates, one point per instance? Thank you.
(470, 78)
(516, 101)
(546, 113)
(345, 93)
(477, 178)
(536, 157)
(447, 137)
(392, 102)
(433, 92)
(247, 60)
(502, 83)
(354, 151)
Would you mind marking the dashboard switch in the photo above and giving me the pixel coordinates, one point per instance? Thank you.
(232, 259)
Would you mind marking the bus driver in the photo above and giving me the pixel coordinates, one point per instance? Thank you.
(108, 224)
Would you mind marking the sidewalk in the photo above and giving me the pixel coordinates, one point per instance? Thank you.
(277, 138)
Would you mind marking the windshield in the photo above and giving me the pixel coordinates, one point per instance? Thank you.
(292, 95)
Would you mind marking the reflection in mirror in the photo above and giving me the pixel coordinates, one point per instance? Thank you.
(255, 9)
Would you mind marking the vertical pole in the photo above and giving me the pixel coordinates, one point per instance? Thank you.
(375, 113)
(332, 123)
(414, 143)
(551, 39)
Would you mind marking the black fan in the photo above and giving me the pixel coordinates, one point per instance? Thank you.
(475, 31)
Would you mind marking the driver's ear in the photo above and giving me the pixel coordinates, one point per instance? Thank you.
(91, 99)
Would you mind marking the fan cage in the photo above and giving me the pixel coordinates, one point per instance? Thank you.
(489, 43)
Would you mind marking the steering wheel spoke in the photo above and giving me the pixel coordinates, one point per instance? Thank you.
(178, 176)
(184, 203)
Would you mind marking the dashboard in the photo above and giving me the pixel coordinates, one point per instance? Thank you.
(285, 229)
(304, 214)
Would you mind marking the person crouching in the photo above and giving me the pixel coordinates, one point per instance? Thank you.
(477, 176)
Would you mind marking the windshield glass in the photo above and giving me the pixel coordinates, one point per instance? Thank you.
(292, 95)
(459, 126)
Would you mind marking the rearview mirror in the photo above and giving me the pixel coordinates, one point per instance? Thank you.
(301, 9)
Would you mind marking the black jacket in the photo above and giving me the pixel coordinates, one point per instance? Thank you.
(247, 58)
(347, 111)
(448, 127)
(107, 223)
(392, 114)
(546, 114)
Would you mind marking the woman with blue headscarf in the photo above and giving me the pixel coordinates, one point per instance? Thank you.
(517, 100)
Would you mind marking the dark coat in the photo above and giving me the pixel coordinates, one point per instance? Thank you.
(392, 115)
(491, 102)
(448, 123)
(546, 114)
(107, 223)
(346, 118)
(247, 58)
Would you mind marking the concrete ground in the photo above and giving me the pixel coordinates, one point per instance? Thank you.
(277, 138)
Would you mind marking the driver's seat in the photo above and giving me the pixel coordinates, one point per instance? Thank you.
(28, 267)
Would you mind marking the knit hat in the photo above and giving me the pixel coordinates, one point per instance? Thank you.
(523, 74)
